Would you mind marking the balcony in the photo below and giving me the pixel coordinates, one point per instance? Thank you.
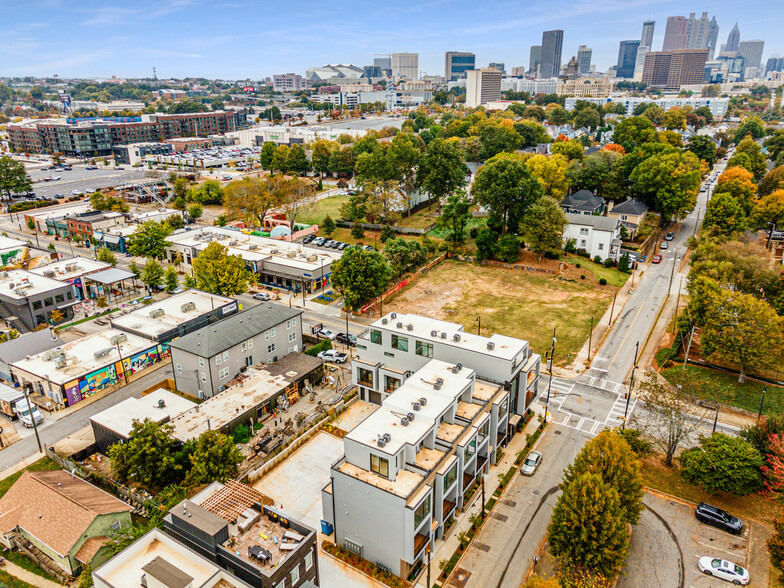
(420, 541)
(448, 507)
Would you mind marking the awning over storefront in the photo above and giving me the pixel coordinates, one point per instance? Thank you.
(110, 276)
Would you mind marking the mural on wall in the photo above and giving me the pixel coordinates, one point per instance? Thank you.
(84, 387)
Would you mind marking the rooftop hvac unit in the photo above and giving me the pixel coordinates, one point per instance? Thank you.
(188, 306)
(53, 354)
(438, 384)
(291, 254)
(103, 353)
(490, 345)
(422, 401)
(252, 246)
(312, 258)
(410, 327)
(157, 312)
(71, 267)
(118, 339)
(410, 417)
(399, 325)
(404, 421)
(384, 321)
(416, 406)
(232, 243)
(273, 251)
(161, 403)
(393, 315)
(382, 440)
(455, 369)
(49, 274)
(456, 337)
(443, 335)
(3, 275)
(434, 333)
(60, 363)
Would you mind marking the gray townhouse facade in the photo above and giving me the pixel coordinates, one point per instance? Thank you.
(28, 300)
(410, 466)
(205, 360)
(397, 344)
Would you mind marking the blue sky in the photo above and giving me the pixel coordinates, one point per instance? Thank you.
(238, 39)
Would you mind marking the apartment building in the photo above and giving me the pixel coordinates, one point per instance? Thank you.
(672, 69)
(405, 65)
(412, 464)
(585, 87)
(598, 235)
(289, 82)
(398, 344)
(482, 86)
(457, 63)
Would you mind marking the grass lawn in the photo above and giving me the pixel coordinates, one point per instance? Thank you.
(475, 222)
(612, 275)
(13, 582)
(314, 215)
(26, 563)
(43, 464)
(421, 219)
(509, 302)
(724, 388)
(657, 475)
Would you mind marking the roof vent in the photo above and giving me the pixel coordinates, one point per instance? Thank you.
(434, 333)
(232, 243)
(410, 417)
(443, 335)
(48, 273)
(490, 345)
(393, 315)
(103, 352)
(422, 401)
(253, 247)
(410, 327)
(455, 369)
(438, 384)
(157, 312)
(456, 337)
(188, 306)
(384, 321)
(404, 421)
(161, 403)
(399, 325)
(122, 338)
(416, 406)
(459, 366)
(60, 363)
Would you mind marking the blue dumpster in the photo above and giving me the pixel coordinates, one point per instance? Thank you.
(326, 528)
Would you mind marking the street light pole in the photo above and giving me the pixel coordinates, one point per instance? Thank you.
(716, 419)
(550, 381)
(479, 325)
(762, 404)
(32, 418)
(631, 386)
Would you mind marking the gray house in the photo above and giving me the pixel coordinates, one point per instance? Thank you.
(206, 360)
(28, 300)
(583, 202)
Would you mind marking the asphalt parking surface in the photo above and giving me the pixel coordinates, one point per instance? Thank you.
(82, 179)
(668, 542)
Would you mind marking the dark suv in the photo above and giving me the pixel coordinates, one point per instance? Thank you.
(710, 515)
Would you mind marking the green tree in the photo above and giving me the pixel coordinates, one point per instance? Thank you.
(587, 117)
(497, 138)
(669, 182)
(86, 577)
(531, 133)
(148, 457)
(704, 148)
(342, 161)
(217, 272)
(152, 273)
(210, 192)
(776, 545)
(106, 256)
(266, 155)
(773, 180)
(279, 158)
(543, 226)
(750, 126)
(357, 231)
(723, 463)
(508, 248)
(455, 215)
(634, 131)
(505, 186)
(327, 226)
(609, 456)
(571, 149)
(442, 170)
(149, 240)
(486, 243)
(588, 530)
(180, 189)
(171, 279)
(296, 160)
(404, 255)
(742, 331)
(195, 211)
(213, 457)
(550, 173)
(322, 150)
(725, 215)
(360, 275)
(13, 178)
(769, 209)
(749, 155)
(599, 173)
(101, 201)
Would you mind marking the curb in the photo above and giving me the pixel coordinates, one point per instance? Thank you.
(665, 496)
(371, 578)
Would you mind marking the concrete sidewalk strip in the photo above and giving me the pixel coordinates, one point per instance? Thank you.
(29, 577)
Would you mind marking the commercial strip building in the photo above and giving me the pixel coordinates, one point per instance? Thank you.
(482, 86)
(77, 137)
(176, 316)
(409, 466)
(231, 526)
(717, 106)
(206, 360)
(276, 263)
(76, 370)
(156, 560)
(73, 271)
(54, 221)
(28, 299)
(136, 153)
(28, 344)
(672, 69)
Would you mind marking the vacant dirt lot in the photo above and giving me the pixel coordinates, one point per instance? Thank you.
(511, 302)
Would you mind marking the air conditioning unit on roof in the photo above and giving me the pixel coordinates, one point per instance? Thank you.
(157, 312)
(122, 338)
(188, 306)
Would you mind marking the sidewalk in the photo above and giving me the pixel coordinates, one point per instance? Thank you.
(444, 549)
(29, 577)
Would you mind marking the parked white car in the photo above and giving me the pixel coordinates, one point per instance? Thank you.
(724, 570)
(327, 334)
(531, 463)
(334, 356)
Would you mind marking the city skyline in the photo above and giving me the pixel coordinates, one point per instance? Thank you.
(237, 40)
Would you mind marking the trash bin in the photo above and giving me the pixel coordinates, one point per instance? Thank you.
(326, 528)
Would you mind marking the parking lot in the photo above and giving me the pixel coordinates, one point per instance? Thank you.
(81, 179)
(669, 541)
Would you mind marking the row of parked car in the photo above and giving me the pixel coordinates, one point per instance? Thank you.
(330, 243)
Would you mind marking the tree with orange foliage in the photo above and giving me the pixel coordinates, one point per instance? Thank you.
(615, 147)
(739, 183)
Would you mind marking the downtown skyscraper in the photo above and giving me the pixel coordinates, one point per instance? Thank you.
(552, 45)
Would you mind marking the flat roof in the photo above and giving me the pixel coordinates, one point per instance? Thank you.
(256, 248)
(125, 569)
(9, 243)
(80, 356)
(120, 417)
(20, 284)
(175, 312)
(59, 212)
(68, 269)
(404, 483)
(111, 276)
(423, 327)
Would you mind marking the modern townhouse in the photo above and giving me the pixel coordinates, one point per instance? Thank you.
(409, 466)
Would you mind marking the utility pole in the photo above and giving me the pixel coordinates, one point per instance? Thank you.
(125, 374)
(483, 498)
(716, 419)
(549, 382)
(677, 302)
(612, 308)
(672, 273)
(762, 404)
(631, 385)
(590, 341)
(32, 418)
(688, 347)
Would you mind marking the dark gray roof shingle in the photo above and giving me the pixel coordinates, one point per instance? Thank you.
(630, 206)
(235, 329)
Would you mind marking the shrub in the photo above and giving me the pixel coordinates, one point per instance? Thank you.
(473, 232)
(722, 463)
(486, 243)
(602, 282)
(598, 259)
(570, 246)
(633, 437)
(608, 262)
(663, 356)
(552, 255)
(508, 248)
(316, 349)
(386, 234)
(357, 231)
(578, 265)
(582, 252)
(582, 277)
(20, 206)
(241, 434)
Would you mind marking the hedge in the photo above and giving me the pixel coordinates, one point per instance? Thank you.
(20, 206)
(316, 349)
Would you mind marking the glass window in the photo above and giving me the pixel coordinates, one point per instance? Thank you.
(272, 332)
(218, 360)
(244, 346)
(366, 377)
(399, 343)
(201, 362)
(308, 560)
(270, 348)
(179, 368)
(484, 430)
(69, 295)
(288, 324)
(59, 298)
(250, 343)
(292, 337)
(379, 465)
(281, 584)
(601, 246)
(48, 301)
(225, 356)
(294, 322)
(37, 305)
(392, 384)
(295, 575)
(424, 349)
(375, 336)
(470, 449)
(203, 377)
(450, 477)
(224, 373)
(583, 231)
(421, 512)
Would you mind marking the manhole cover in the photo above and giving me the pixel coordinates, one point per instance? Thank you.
(557, 431)
(481, 546)
(498, 517)
(460, 577)
(511, 503)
